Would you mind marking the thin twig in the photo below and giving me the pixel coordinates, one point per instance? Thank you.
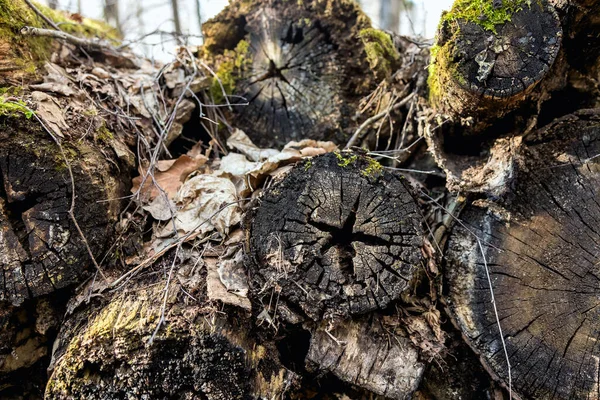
(71, 211)
(359, 132)
(41, 15)
(94, 44)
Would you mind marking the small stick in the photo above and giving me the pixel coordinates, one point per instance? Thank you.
(358, 134)
(88, 44)
(41, 15)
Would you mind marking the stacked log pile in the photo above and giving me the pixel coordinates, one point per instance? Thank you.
(303, 207)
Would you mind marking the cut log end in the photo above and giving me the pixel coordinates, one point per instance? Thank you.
(480, 67)
(41, 248)
(292, 63)
(337, 237)
(541, 248)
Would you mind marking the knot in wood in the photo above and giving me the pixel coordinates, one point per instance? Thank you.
(337, 236)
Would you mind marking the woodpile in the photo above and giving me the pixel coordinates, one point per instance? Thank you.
(304, 207)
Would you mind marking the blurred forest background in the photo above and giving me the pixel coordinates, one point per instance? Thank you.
(155, 27)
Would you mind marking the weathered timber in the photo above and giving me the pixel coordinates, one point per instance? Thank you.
(302, 67)
(488, 57)
(42, 249)
(104, 353)
(337, 237)
(363, 353)
(540, 243)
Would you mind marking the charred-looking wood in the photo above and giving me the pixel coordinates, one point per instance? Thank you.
(337, 236)
(104, 353)
(365, 356)
(41, 249)
(300, 66)
(540, 246)
(487, 58)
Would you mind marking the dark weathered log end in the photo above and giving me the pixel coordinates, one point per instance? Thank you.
(489, 55)
(294, 70)
(337, 236)
(540, 244)
(41, 248)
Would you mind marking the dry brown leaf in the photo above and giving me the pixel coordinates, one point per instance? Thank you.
(217, 291)
(48, 109)
(242, 143)
(170, 178)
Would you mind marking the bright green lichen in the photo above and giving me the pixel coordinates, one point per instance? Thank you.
(380, 50)
(103, 134)
(307, 165)
(14, 108)
(235, 61)
(345, 161)
(483, 12)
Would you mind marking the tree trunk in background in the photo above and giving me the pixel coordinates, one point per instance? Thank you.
(111, 13)
(176, 20)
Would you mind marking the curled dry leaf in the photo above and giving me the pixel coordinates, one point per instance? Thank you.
(49, 110)
(207, 203)
(242, 143)
(232, 272)
(169, 176)
(56, 80)
(217, 291)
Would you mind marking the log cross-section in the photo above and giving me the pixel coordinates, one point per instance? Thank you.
(337, 235)
(487, 57)
(541, 248)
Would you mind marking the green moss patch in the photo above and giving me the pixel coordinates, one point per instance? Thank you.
(14, 108)
(381, 53)
(233, 63)
(483, 12)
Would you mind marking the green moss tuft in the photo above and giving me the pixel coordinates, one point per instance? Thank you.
(483, 12)
(14, 108)
(373, 168)
(380, 50)
(344, 161)
(234, 63)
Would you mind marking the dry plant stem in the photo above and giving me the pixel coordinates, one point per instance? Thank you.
(73, 197)
(493, 298)
(360, 131)
(88, 44)
(41, 15)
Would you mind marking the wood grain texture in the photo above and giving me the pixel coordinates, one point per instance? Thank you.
(541, 244)
(336, 237)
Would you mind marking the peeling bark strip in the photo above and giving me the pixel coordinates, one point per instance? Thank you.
(40, 248)
(541, 246)
(485, 61)
(337, 235)
(299, 64)
(368, 358)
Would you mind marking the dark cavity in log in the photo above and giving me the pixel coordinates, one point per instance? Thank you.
(299, 65)
(338, 236)
(541, 247)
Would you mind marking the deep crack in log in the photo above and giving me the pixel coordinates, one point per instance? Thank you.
(541, 246)
(485, 62)
(41, 251)
(338, 236)
(300, 66)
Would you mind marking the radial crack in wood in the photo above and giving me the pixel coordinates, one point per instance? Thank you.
(338, 236)
(300, 66)
(541, 248)
(485, 61)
